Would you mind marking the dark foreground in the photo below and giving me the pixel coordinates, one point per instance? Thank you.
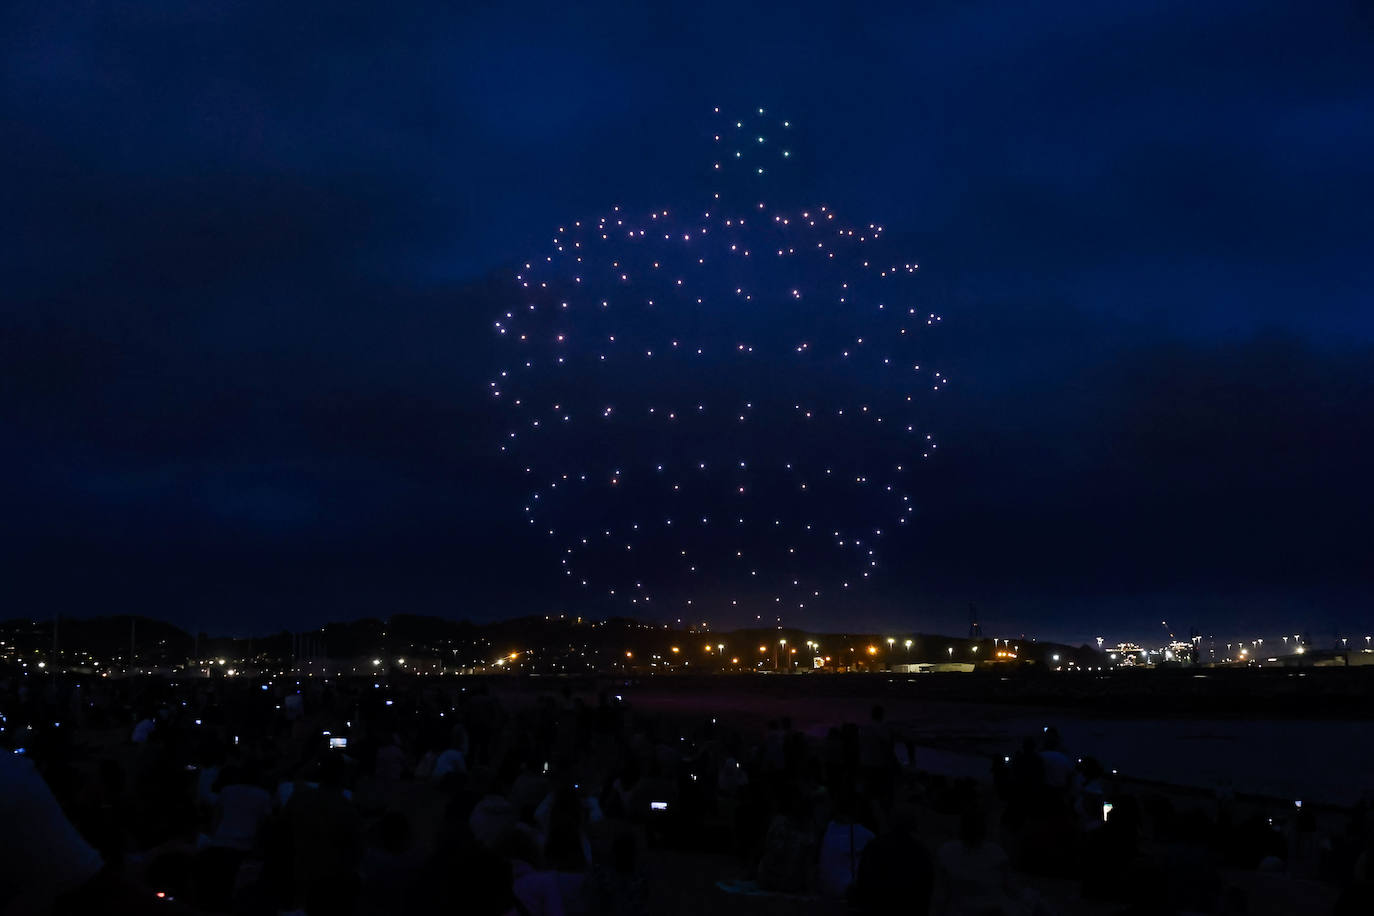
(672, 796)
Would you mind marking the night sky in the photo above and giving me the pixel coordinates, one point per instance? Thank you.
(253, 254)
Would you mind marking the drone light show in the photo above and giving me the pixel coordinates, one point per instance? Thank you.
(719, 408)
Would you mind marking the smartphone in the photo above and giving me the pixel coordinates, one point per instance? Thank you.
(1106, 810)
(658, 806)
(337, 742)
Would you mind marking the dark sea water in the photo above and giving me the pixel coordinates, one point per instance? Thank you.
(1319, 760)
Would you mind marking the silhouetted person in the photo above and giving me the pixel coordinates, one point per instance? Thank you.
(896, 873)
(619, 889)
(326, 843)
(842, 845)
(389, 865)
(972, 871)
(787, 847)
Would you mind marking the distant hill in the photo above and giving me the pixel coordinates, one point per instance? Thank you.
(104, 638)
(552, 644)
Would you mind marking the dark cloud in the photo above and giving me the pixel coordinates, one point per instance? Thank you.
(254, 252)
(1165, 467)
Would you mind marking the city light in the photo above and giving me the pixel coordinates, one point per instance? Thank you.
(553, 657)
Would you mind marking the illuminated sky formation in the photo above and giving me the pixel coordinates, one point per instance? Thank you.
(721, 405)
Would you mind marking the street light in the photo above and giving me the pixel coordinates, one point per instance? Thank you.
(951, 651)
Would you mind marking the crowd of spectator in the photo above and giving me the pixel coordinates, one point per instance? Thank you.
(435, 796)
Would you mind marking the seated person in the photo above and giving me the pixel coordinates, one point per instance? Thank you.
(972, 872)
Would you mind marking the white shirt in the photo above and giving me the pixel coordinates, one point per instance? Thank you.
(450, 761)
(539, 891)
(242, 810)
(491, 818)
(44, 855)
(841, 846)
